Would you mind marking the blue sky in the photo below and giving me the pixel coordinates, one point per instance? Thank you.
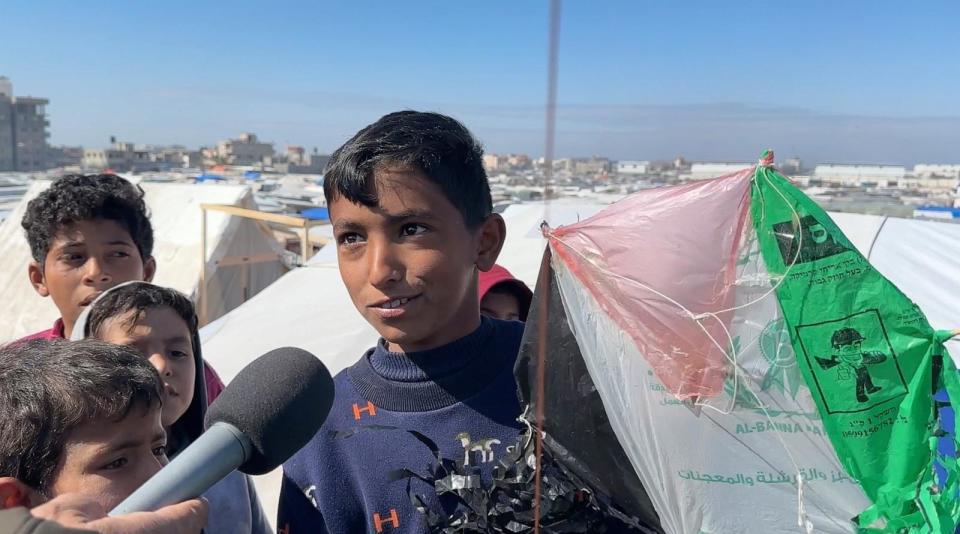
(828, 81)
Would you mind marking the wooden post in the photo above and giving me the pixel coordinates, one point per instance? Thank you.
(303, 231)
(306, 247)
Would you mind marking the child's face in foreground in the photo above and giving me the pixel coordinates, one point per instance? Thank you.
(108, 460)
(85, 259)
(410, 263)
(501, 305)
(162, 337)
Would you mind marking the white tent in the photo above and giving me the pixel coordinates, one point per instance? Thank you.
(176, 217)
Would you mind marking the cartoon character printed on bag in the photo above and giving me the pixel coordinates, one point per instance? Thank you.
(852, 361)
(483, 446)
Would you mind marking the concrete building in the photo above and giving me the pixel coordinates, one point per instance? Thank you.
(860, 175)
(65, 156)
(501, 162)
(929, 182)
(299, 161)
(632, 167)
(121, 157)
(6, 133)
(495, 162)
(174, 157)
(23, 131)
(593, 165)
(519, 161)
(247, 150)
(925, 170)
(791, 166)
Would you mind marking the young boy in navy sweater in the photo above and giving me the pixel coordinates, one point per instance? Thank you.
(414, 225)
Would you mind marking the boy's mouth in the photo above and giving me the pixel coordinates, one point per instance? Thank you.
(88, 300)
(390, 308)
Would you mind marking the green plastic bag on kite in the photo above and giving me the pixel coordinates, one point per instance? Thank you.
(758, 373)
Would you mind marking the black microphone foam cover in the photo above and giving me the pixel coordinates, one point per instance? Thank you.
(279, 401)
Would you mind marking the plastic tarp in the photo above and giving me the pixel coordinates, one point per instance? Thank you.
(316, 214)
(176, 217)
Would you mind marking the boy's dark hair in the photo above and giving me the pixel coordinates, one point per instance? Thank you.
(50, 387)
(138, 297)
(79, 197)
(436, 145)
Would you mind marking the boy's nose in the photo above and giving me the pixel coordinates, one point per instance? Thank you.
(160, 364)
(384, 266)
(95, 273)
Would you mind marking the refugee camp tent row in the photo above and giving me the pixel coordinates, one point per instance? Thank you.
(176, 215)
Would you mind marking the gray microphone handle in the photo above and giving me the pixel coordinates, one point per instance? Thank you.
(206, 461)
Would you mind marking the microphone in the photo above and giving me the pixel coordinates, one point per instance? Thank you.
(267, 413)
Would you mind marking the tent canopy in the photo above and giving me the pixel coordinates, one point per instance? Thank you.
(176, 217)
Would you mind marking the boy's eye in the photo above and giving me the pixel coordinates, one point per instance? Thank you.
(160, 451)
(412, 229)
(120, 254)
(116, 464)
(70, 256)
(350, 239)
(178, 354)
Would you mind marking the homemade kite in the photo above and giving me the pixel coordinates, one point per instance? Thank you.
(717, 357)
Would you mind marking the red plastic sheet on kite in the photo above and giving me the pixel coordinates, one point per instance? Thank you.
(662, 263)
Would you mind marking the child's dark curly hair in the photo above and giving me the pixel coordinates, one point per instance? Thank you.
(79, 197)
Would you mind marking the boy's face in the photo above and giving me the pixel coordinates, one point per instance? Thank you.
(501, 305)
(410, 263)
(164, 339)
(85, 259)
(108, 460)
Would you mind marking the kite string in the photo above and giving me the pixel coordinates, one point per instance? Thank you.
(542, 282)
(697, 317)
(796, 256)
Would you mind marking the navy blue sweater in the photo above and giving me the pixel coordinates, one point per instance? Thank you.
(462, 396)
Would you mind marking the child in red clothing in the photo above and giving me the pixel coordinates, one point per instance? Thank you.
(502, 296)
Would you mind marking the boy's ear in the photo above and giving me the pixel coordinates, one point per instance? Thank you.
(35, 273)
(14, 493)
(493, 233)
(149, 269)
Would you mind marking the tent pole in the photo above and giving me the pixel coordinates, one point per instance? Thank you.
(202, 290)
(305, 247)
